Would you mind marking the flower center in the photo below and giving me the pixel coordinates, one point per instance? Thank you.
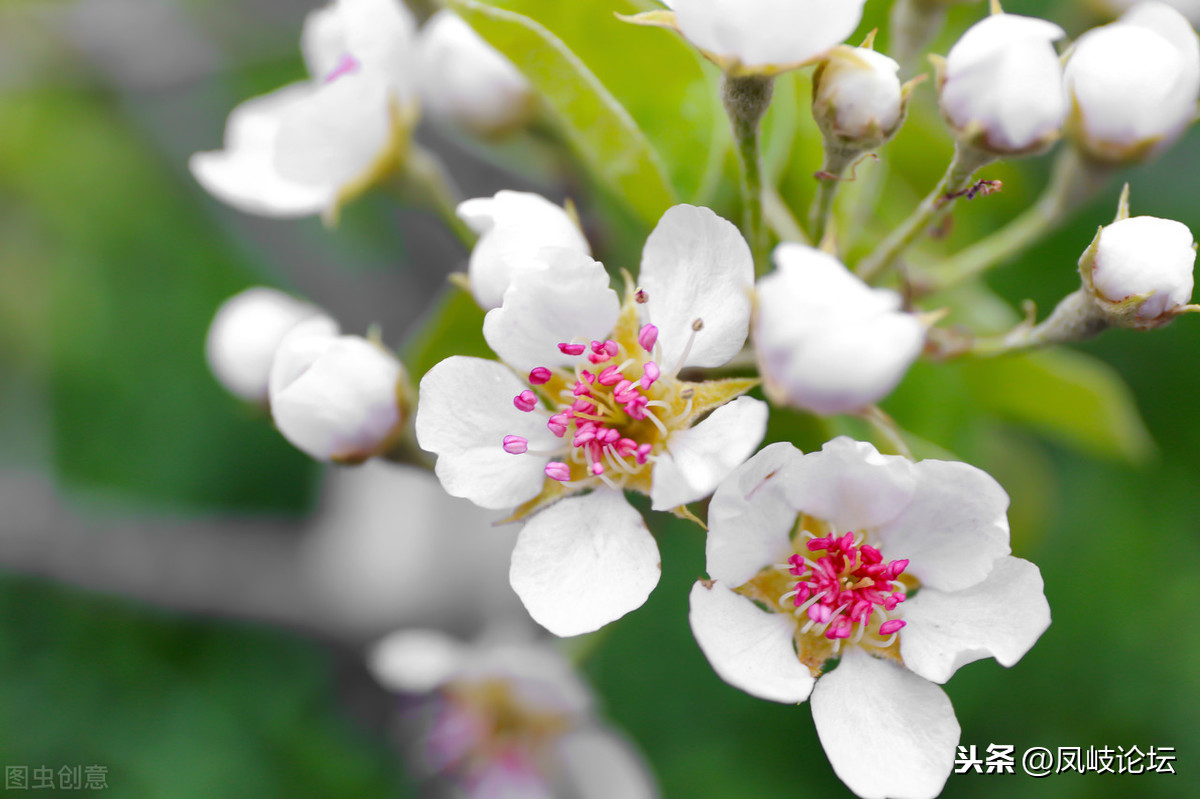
(613, 410)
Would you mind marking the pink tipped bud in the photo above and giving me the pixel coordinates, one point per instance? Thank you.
(539, 376)
(525, 401)
(515, 445)
(556, 470)
(647, 337)
(571, 349)
(889, 627)
(650, 373)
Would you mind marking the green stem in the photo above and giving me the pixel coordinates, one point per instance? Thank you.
(912, 27)
(829, 179)
(779, 217)
(936, 205)
(1075, 318)
(427, 178)
(1072, 183)
(746, 100)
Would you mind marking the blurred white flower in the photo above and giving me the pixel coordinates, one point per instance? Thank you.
(308, 147)
(465, 80)
(244, 334)
(825, 340)
(513, 227)
(870, 530)
(1146, 261)
(765, 35)
(507, 720)
(857, 96)
(1189, 8)
(1002, 84)
(1134, 84)
(336, 397)
(602, 408)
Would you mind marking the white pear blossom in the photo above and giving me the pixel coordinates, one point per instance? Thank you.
(1002, 84)
(897, 572)
(507, 720)
(590, 397)
(765, 35)
(244, 334)
(857, 95)
(1146, 261)
(1134, 84)
(825, 340)
(305, 148)
(336, 397)
(1189, 8)
(466, 81)
(513, 227)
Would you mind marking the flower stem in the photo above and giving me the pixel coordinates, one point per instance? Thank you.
(829, 179)
(427, 178)
(1075, 318)
(1072, 183)
(912, 27)
(936, 205)
(746, 100)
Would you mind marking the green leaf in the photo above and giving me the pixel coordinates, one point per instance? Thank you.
(1066, 395)
(453, 327)
(601, 130)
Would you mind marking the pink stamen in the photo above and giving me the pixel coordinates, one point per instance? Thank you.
(525, 401)
(889, 627)
(571, 349)
(539, 376)
(650, 373)
(647, 337)
(558, 424)
(516, 445)
(610, 377)
(556, 470)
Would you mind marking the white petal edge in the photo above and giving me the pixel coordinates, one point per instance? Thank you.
(851, 485)
(696, 265)
(584, 562)
(887, 732)
(416, 661)
(599, 764)
(696, 460)
(749, 518)
(464, 411)
(1002, 617)
(749, 648)
(954, 529)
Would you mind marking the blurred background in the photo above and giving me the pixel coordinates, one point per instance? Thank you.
(185, 599)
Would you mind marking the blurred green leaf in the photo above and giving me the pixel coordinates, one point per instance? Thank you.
(606, 137)
(453, 327)
(1066, 395)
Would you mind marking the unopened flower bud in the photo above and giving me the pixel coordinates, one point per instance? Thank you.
(857, 97)
(466, 81)
(244, 334)
(513, 227)
(1133, 84)
(1001, 85)
(336, 397)
(825, 340)
(1139, 270)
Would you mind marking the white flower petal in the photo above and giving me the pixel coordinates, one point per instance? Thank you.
(750, 519)
(464, 411)
(1145, 255)
(953, 530)
(851, 485)
(569, 300)
(696, 265)
(584, 562)
(513, 227)
(244, 174)
(764, 32)
(335, 134)
(1001, 617)
(697, 459)
(749, 648)
(886, 731)
(378, 34)
(599, 764)
(416, 661)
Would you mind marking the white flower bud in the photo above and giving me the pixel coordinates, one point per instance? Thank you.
(466, 81)
(244, 335)
(513, 227)
(1001, 87)
(766, 35)
(1134, 84)
(1140, 269)
(1189, 8)
(825, 340)
(857, 96)
(336, 397)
